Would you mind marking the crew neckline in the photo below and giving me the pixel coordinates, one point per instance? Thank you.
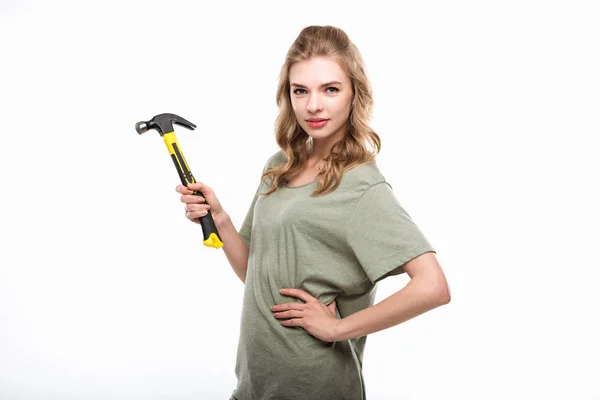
(300, 186)
(369, 163)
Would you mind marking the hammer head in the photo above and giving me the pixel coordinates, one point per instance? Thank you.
(163, 123)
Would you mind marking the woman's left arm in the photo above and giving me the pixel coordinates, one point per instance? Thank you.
(426, 290)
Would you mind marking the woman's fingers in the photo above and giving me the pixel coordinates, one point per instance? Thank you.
(195, 214)
(196, 207)
(290, 314)
(198, 186)
(187, 194)
(195, 211)
(183, 190)
(192, 199)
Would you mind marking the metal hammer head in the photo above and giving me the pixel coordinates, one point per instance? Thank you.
(163, 123)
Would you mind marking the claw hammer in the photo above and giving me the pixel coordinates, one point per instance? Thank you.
(163, 123)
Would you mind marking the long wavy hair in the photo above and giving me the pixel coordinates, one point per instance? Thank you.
(353, 149)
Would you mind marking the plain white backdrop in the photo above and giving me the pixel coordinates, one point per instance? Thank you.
(489, 118)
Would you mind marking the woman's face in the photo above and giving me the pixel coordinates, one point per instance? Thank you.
(321, 90)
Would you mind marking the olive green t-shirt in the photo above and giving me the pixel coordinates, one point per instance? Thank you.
(334, 247)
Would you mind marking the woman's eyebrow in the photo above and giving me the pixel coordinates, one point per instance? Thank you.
(324, 84)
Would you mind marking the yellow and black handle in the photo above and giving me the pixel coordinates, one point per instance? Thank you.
(163, 123)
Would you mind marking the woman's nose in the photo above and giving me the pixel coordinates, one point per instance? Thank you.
(314, 103)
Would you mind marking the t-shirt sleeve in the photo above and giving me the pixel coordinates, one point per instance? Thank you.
(246, 228)
(382, 234)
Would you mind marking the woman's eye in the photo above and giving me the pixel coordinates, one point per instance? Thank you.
(331, 87)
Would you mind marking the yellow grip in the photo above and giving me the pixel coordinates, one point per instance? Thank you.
(213, 241)
(178, 158)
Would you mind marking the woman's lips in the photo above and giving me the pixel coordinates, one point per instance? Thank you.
(317, 124)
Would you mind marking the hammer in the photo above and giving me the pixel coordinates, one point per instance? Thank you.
(163, 123)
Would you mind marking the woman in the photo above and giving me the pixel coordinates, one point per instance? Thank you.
(323, 228)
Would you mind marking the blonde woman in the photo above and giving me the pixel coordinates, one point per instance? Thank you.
(323, 228)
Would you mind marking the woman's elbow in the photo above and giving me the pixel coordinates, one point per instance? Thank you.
(441, 294)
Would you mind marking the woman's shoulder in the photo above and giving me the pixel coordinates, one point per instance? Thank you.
(363, 176)
(367, 169)
(276, 159)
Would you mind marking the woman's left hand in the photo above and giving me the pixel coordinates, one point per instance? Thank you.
(315, 317)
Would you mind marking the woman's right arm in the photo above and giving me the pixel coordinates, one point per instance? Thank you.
(234, 246)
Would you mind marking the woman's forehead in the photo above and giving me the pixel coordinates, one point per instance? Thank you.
(317, 71)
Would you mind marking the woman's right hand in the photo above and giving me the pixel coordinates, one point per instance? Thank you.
(198, 206)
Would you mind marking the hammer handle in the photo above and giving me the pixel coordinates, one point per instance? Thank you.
(209, 229)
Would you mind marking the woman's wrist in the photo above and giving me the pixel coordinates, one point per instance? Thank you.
(220, 219)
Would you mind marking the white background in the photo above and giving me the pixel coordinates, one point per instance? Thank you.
(489, 117)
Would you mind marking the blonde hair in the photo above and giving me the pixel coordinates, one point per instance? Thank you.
(295, 143)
